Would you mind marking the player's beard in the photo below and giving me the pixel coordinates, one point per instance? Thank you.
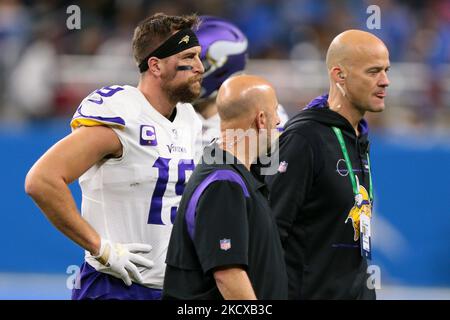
(184, 92)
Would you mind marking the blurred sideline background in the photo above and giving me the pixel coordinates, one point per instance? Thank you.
(46, 69)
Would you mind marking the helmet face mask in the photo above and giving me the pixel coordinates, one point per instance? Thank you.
(224, 52)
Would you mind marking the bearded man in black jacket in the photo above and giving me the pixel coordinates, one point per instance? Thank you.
(322, 194)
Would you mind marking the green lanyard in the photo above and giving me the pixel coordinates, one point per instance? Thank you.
(351, 174)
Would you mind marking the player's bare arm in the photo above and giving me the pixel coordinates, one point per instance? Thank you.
(47, 181)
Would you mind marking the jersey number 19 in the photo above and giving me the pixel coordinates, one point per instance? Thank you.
(162, 164)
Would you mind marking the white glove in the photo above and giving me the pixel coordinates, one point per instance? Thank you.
(122, 259)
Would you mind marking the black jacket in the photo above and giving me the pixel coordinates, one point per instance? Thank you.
(311, 201)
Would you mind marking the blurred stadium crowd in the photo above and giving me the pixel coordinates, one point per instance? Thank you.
(34, 39)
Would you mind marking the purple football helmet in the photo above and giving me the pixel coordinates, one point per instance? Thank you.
(224, 52)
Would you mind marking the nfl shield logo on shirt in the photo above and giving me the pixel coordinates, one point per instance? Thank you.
(282, 167)
(148, 136)
(225, 244)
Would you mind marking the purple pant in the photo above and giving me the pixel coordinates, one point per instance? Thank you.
(96, 285)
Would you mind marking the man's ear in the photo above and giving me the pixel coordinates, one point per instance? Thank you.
(261, 120)
(154, 66)
(337, 74)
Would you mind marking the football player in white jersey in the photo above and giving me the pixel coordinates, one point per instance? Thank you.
(132, 150)
(224, 54)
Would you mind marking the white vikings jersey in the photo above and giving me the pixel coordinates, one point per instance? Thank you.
(134, 198)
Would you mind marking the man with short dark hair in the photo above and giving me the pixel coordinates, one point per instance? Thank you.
(225, 243)
(132, 149)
